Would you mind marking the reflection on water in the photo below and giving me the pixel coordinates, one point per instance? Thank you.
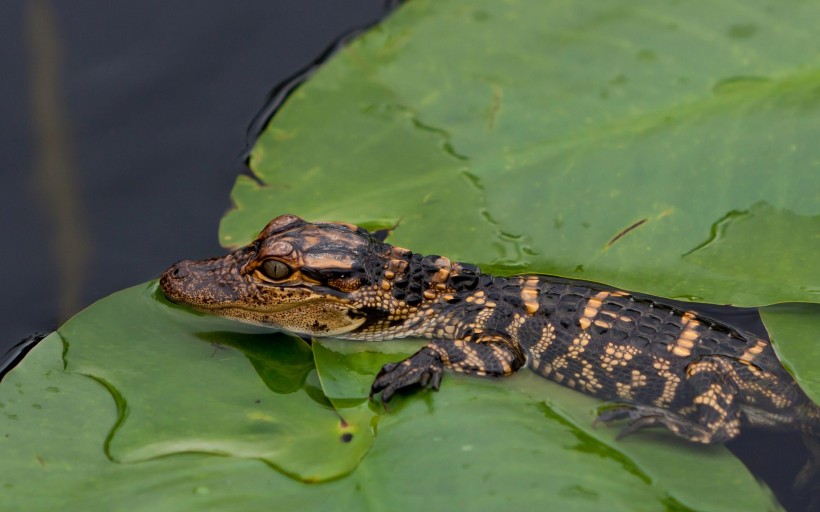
(55, 176)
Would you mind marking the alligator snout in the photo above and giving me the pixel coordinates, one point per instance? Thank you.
(178, 270)
(215, 282)
(199, 283)
(171, 281)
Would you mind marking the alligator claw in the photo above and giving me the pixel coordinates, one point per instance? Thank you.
(640, 417)
(639, 424)
(423, 369)
(613, 412)
(617, 412)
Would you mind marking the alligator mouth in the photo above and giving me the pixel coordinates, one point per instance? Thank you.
(225, 308)
(275, 308)
(255, 316)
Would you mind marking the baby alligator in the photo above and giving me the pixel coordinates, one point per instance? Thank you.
(662, 366)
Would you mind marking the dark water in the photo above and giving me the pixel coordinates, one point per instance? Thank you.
(124, 126)
(123, 130)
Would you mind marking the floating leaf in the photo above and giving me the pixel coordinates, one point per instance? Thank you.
(486, 444)
(600, 141)
(794, 330)
(177, 394)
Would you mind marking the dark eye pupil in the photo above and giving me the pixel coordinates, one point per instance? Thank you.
(275, 269)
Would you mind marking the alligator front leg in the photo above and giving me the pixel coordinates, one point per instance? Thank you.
(490, 355)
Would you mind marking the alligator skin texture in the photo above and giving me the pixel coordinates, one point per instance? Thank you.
(659, 365)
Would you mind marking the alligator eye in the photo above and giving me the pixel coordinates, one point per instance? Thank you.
(276, 270)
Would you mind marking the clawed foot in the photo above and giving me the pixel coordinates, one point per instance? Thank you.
(638, 420)
(642, 416)
(423, 369)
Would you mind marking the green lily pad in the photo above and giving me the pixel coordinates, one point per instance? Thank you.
(283, 362)
(485, 444)
(789, 243)
(601, 141)
(347, 368)
(794, 328)
(177, 394)
(54, 426)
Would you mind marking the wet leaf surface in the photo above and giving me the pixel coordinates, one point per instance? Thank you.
(347, 368)
(522, 441)
(177, 394)
(789, 243)
(794, 330)
(610, 142)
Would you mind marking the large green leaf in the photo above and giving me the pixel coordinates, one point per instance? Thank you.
(533, 135)
(92, 423)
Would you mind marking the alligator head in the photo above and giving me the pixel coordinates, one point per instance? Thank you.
(296, 276)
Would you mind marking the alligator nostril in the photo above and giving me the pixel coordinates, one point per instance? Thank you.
(178, 270)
